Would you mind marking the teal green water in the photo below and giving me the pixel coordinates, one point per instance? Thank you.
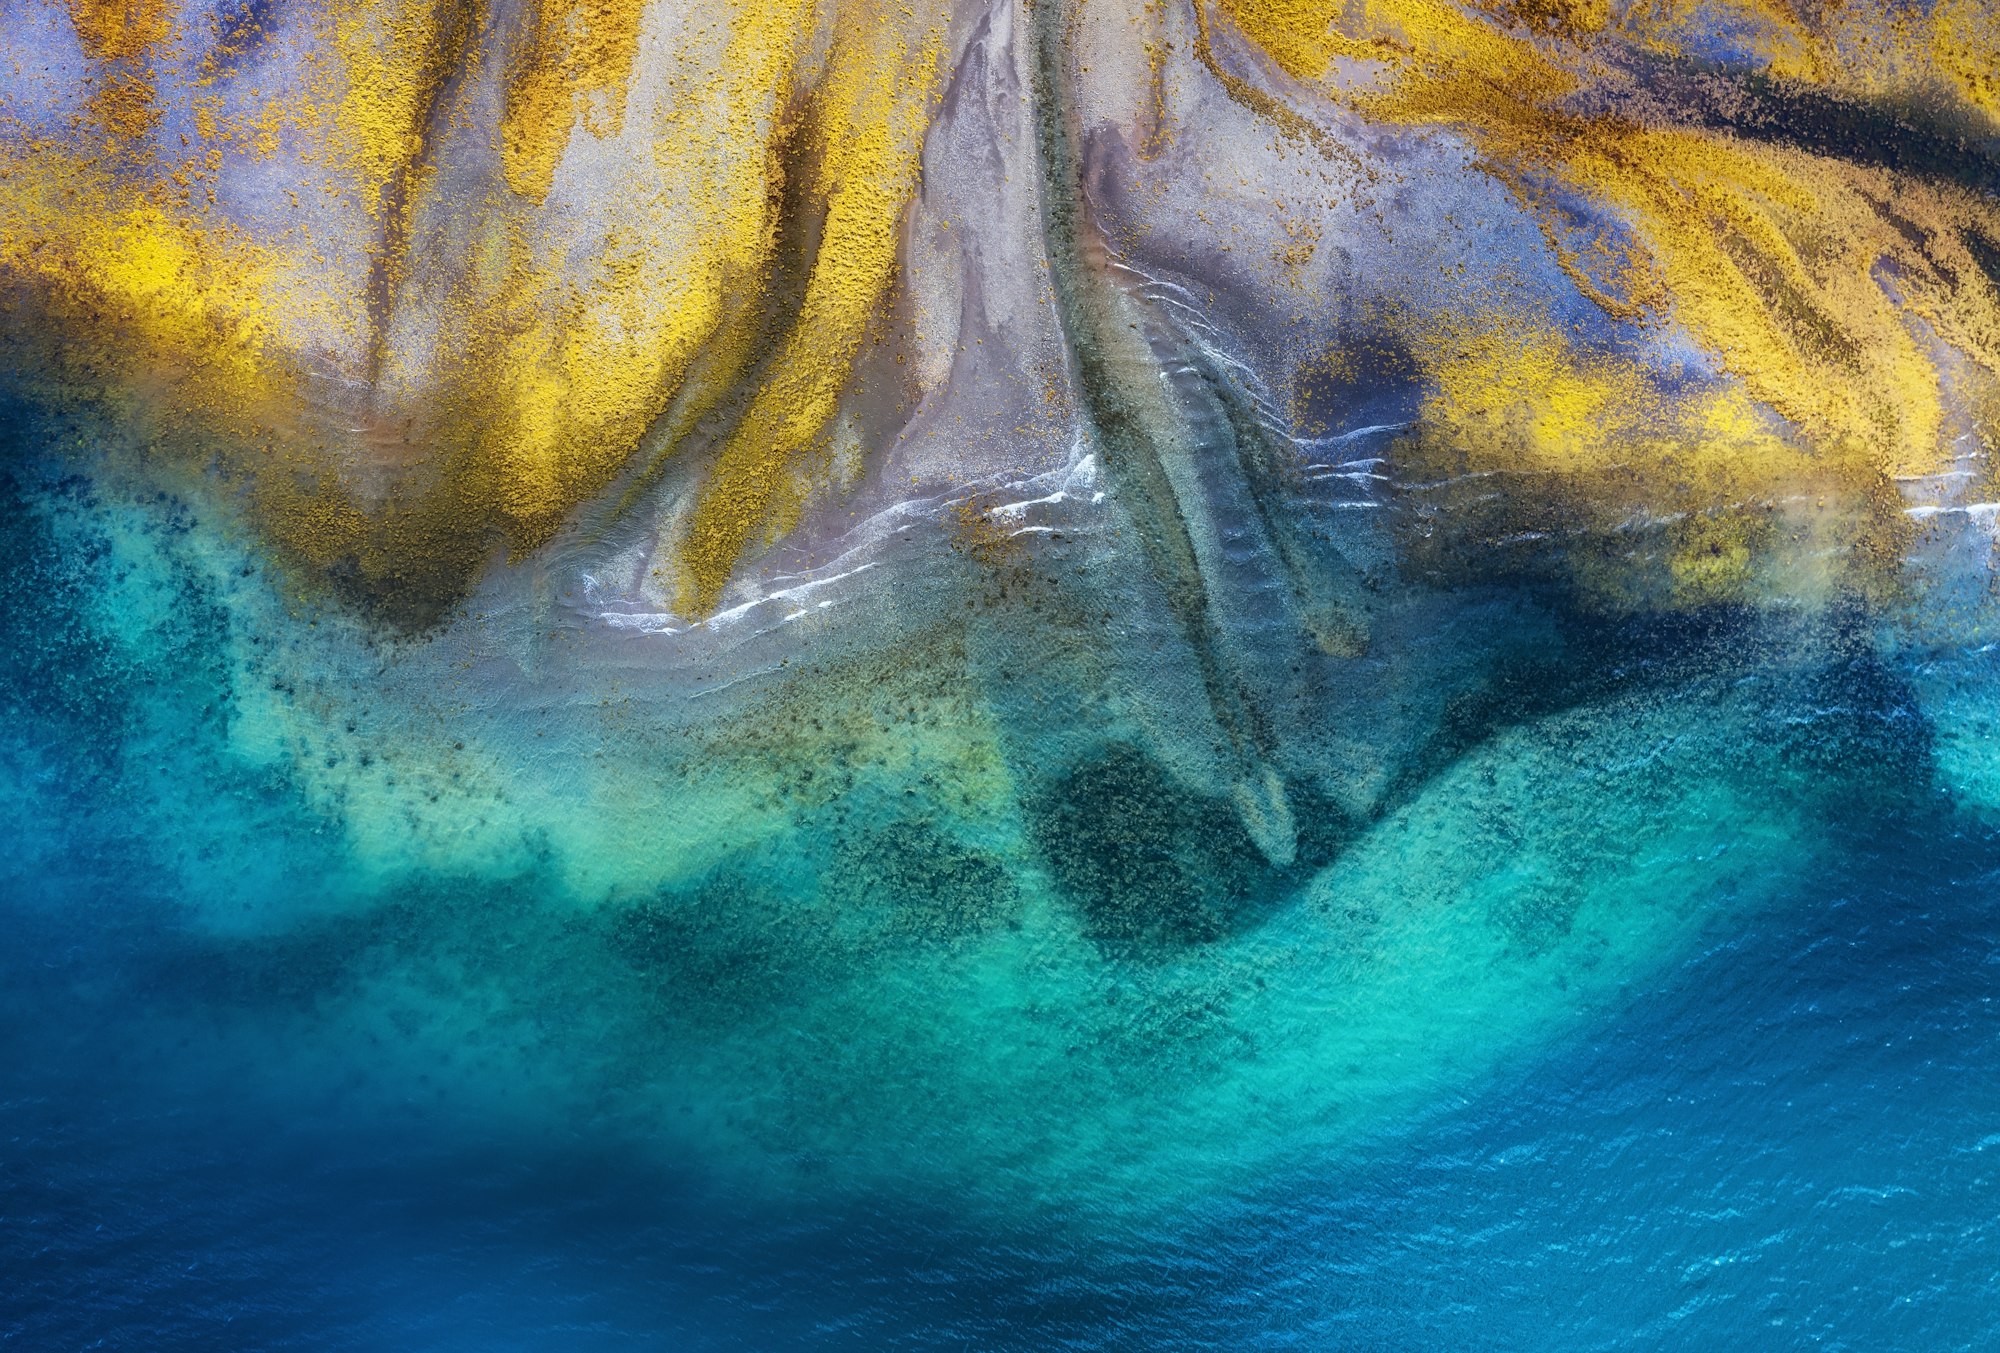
(897, 926)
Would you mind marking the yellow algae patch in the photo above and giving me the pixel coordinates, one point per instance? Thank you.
(574, 64)
(119, 30)
(167, 326)
(1774, 260)
(485, 366)
(119, 37)
(1306, 36)
(1769, 36)
(1805, 275)
(1302, 51)
(558, 368)
(867, 129)
(391, 61)
(1523, 398)
(1965, 39)
(1570, 17)
(563, 369)
(582, 373)
(1593, 446)
(138, 282)
(1801, 273)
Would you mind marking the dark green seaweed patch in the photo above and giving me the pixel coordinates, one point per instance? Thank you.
(60, 675)
(934, 886)
(720, 951)
(1848, 737)
(1150, 865)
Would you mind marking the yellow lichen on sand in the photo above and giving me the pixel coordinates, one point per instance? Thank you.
(166, 327)
(119, 37)
(865, 134)
(575, 65)
(113, 260)
(119, 30)
(499, 360)
(492, 364)
(1520, 396)
(390, 60)
(1965, 41)
(1823, 285)
(1801, 274)
(582, 381)
(559, 377)
(1594, 444)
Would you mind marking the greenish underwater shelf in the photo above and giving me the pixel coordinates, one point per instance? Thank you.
(935, 913)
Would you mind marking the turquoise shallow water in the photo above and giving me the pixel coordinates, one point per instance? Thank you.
(1630, 982)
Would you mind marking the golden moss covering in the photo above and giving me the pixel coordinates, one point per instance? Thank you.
(864, 172)
(437, 272)
(575, 65)
(495, 355)
(1835, 290)
(119, 36)
(1664, 493)
(1965, 37)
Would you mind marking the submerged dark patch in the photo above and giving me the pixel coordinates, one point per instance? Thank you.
(1150, 864)
(934, 886)
(58, 669)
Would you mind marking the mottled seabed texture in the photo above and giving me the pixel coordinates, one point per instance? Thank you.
(999, 674)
